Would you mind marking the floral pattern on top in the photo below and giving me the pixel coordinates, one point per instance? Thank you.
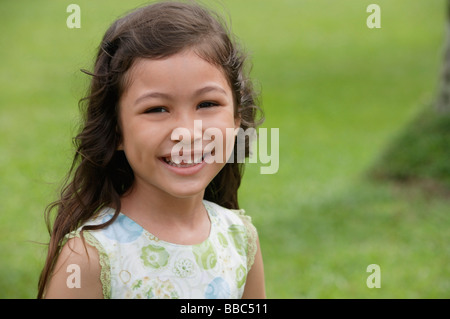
(140, 265)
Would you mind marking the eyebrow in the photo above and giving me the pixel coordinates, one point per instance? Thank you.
(203, 90)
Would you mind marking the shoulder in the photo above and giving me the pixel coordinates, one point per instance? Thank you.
(77, 271)
(235, 216)
(232, 217)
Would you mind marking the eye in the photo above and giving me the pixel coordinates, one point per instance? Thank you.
(157, 109)
(207, 104)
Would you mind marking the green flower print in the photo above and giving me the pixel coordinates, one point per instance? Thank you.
(241, 276)
(154, 288)
(154, 256)
(183, 268)
(222, 240)
(162, 290)
(205, 255)
(237, 234)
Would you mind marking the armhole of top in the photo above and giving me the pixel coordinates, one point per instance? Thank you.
(252, 236)
(105, 270)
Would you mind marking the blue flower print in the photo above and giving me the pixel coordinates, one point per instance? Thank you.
(124, 230)
(218, 288)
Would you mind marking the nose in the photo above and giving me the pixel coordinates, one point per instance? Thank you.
(188, 140)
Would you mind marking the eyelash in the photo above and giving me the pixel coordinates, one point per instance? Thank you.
(210, 104)
(156, 109)
(160, 109)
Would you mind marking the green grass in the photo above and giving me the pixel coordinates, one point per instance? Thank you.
(340, 94)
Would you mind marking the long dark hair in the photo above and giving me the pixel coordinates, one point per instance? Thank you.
(100, 174)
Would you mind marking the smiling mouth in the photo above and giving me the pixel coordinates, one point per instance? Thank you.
(183, 164)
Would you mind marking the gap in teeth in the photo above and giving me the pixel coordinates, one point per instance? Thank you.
(169, 161)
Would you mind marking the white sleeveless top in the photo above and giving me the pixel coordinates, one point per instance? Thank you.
(136, 264)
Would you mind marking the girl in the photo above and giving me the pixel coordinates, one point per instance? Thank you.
(133, 222)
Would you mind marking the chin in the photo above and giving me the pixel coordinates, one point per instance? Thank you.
(186, 190)
(184, 187)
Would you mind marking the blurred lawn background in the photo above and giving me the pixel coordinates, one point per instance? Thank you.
(337, 90)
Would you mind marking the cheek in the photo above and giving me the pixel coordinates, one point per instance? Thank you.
(221, 139)
(224, 118)
(139, 142)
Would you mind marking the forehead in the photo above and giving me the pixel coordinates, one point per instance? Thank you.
(185, 70)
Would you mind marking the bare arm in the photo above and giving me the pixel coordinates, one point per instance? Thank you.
(255, 286)
(76, 273)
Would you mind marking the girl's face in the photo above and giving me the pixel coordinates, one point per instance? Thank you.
(166, 94)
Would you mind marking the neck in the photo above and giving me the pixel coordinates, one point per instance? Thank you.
(147, 204)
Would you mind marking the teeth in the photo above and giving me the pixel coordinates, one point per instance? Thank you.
(189, 163)
(198, 159)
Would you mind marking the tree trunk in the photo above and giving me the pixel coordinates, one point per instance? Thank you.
(443, 97)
